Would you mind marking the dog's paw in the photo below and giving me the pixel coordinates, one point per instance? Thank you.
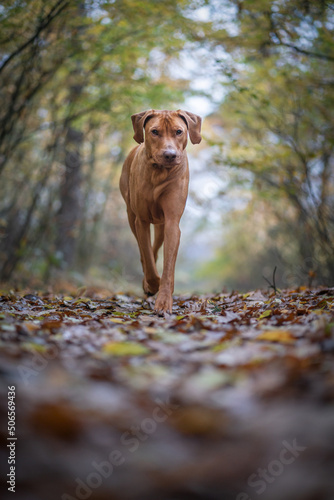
(164, 303)
(151, 287)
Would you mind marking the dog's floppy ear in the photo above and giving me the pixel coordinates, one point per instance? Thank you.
(138, 123)
(193, 123)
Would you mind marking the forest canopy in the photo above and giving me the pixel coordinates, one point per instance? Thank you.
(262, 184)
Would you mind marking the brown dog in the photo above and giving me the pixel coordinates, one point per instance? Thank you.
(154, 185)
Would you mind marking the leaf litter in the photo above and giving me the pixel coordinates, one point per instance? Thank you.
(92, 372)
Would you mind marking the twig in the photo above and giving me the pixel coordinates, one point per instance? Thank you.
(273, 284)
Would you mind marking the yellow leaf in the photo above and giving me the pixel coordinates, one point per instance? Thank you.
(265, 314)
(116, 320)
(276, 336)
(125, 349)
(226, 344)
(319, 311)
(84, 300)
(35, 347)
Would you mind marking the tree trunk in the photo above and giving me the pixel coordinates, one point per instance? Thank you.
(68, 218)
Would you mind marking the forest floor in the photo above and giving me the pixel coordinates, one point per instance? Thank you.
(230, 397)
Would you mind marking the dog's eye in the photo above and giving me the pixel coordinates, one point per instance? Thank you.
(179, 132)
(155, 131)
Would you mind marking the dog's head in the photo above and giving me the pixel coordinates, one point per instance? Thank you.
(166, 134)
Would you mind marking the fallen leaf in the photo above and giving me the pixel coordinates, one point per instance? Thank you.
(276, 336)
(265, 314)
(125, 349)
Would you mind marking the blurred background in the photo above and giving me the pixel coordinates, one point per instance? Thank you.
(260, 73)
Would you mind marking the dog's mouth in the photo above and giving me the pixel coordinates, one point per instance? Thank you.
(162, 162)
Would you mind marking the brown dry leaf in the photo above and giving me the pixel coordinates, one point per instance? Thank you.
(57, 419)
(51, 324)
(198, 421)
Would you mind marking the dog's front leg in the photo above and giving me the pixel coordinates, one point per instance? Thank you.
(164, 301)
(151, 280)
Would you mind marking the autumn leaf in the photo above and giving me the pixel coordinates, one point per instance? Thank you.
(265, 314)
(277, 335)
(116, 320)
(125, 349)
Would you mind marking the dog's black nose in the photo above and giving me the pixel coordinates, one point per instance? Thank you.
(169, 154)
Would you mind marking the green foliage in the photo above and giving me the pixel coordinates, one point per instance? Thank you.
(85, 67)
(277, 122)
